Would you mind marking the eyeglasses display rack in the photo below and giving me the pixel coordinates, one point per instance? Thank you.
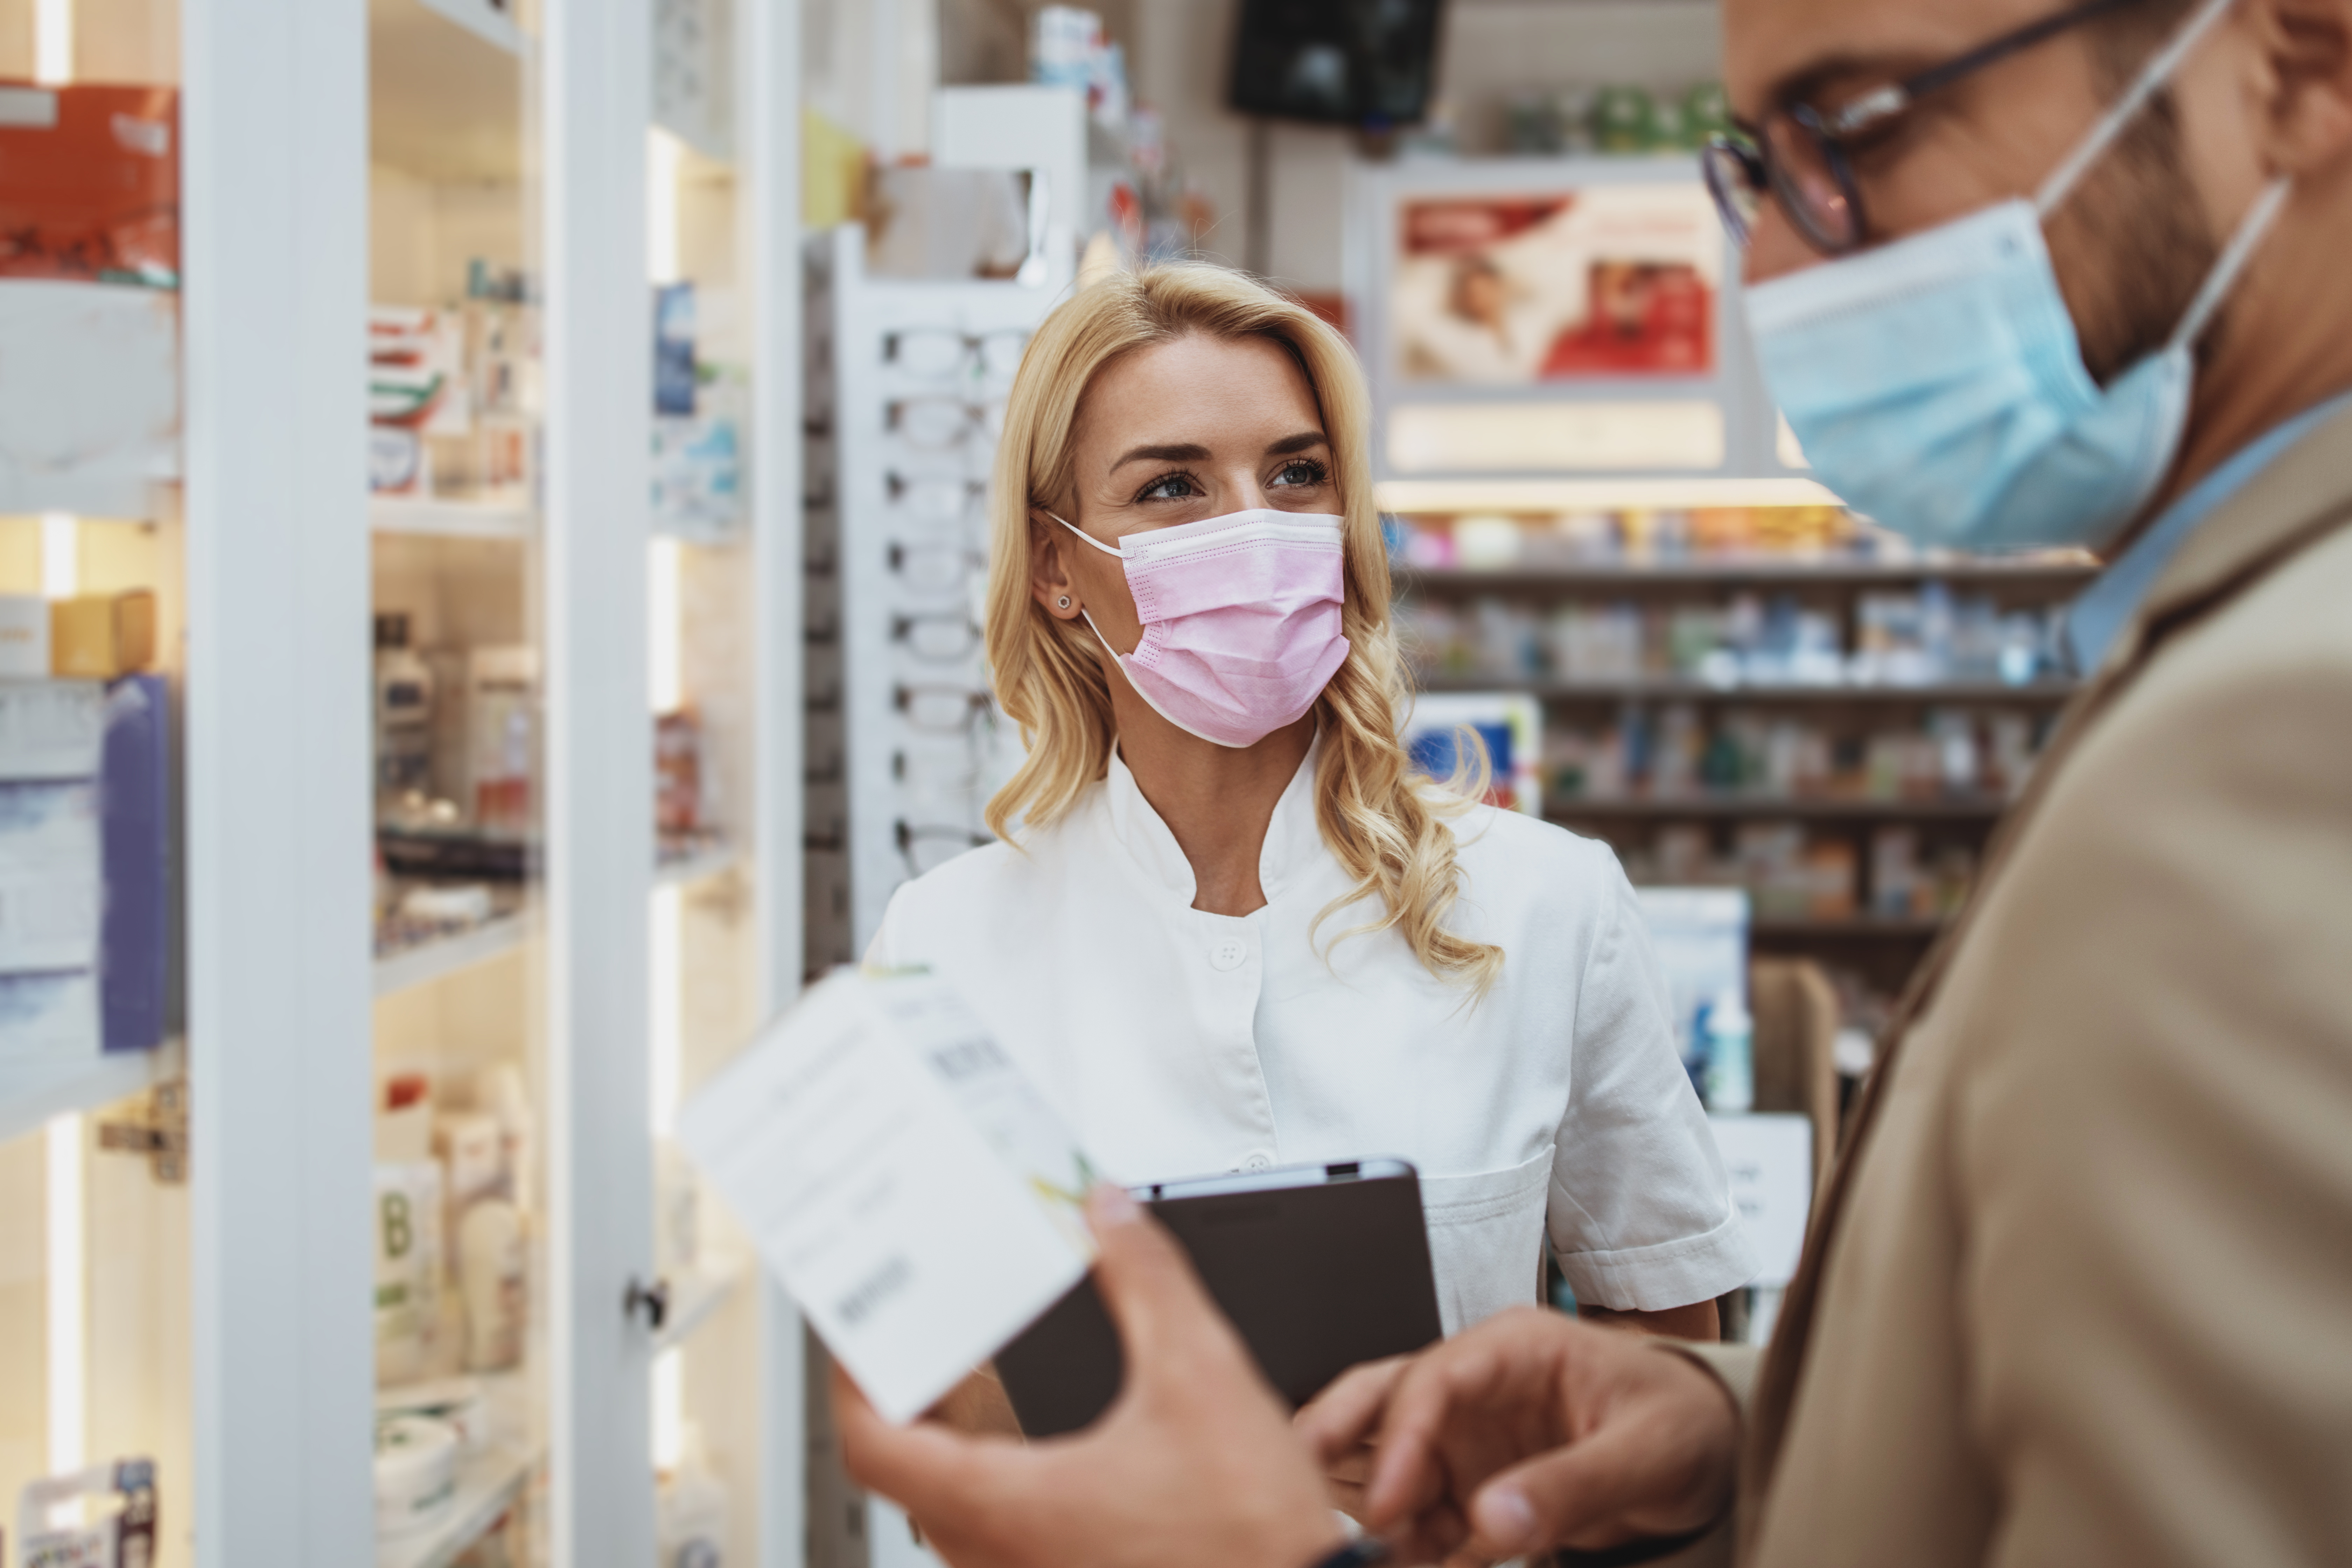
(908, 384)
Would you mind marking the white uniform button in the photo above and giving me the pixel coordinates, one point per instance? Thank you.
(1259, 1161)
(1229, 954)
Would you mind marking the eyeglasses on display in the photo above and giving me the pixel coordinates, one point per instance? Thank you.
(938, 354)
(936, 567)
(932, 499)
(928, 848)
(941, 424)
(944, 636)
(1803, 157)
(943, 710)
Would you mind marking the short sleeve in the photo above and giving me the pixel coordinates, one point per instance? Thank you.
(1641, 1213)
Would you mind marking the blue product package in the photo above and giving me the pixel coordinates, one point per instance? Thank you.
(674, 349)
(1434, 750)
(135, 846)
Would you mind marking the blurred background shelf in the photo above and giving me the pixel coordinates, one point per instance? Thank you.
(450, 519)
(697, 865)
(695, 1295)
(1742, 807)
(1791, 573)
(488, 1484)
(1868, 928)
(30, 1096)
(1667, 688)
(432, 960)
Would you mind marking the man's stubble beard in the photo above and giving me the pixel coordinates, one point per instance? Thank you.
(2136, 219)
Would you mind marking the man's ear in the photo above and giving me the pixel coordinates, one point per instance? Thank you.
(2306, 48)
(1049, 577)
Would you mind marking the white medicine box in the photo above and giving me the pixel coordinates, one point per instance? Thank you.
(1769, 1158)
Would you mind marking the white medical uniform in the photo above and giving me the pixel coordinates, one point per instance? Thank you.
(1180, 1042)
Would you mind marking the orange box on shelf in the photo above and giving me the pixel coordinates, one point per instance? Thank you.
(98, 636)
(89, 183)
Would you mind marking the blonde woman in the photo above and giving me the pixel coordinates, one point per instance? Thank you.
(1227, 927)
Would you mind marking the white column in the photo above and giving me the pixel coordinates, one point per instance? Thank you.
(769, 145)
(595, 103)
(274, 178)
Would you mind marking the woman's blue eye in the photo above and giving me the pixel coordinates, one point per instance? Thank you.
(1301, 473)
(1175, 487)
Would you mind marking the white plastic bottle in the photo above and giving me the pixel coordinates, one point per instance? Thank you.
(492, 1261)
(690, 1505)
(1730, 1056)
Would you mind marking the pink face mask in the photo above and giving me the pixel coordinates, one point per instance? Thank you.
(1241, 620)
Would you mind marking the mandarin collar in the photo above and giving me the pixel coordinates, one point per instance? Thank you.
(1291, 837)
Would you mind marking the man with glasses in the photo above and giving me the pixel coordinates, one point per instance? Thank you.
(2080, 1290)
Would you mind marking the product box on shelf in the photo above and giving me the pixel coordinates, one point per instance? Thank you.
(85, 851)
(24, 636)
(1700, 936)
(90, 182)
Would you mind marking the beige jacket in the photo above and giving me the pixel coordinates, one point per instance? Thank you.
(2081, 1290)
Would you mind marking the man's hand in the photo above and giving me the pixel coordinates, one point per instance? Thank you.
(1531, 1431)
(1193, 1464)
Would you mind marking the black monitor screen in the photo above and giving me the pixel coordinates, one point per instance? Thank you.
(1347, 62)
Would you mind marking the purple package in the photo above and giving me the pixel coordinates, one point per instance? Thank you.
(134, 827)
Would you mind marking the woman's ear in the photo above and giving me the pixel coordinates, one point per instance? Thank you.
(1049, 578)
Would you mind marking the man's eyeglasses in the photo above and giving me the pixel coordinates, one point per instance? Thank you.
(1802, 156)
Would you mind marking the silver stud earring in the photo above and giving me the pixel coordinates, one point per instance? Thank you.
(1064, 600)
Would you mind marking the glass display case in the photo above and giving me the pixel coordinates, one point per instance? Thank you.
(458, 1082)
(388, 803)
(95, 1213)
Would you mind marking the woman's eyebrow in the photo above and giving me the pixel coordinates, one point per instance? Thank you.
(1299, 443)
(1178, 454)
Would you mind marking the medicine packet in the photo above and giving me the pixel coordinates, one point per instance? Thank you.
(901, 1178)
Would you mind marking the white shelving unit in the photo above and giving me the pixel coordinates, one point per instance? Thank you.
(303, 126)
(488, 1484)
(433, 961)
(451, 518)
(695, 1295)
(28, 1100)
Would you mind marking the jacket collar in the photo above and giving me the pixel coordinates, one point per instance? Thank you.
(1293, 839)
(2305, 487)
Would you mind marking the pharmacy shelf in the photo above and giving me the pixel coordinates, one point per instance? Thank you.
(698, 866)
(1619, 577)
(1866, 928)
(431, 961)
(1742, 807)
(2041, 693)
(450, 519)
(445, 90)
(31, 1096)
(488, 1484)
(694, 1296)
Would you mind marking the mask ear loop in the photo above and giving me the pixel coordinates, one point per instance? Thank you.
(1083, 616)
(2152, 77)
(1090, 539)
(2232, 261)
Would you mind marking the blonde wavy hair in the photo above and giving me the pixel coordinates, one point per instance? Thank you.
(1385, 824)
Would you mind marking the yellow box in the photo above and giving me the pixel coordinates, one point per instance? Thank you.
(100, 636)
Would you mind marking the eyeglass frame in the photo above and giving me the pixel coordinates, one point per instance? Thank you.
(973, 346)
(908, 834)
(1831, 133)
(980, 708)
(902, 630)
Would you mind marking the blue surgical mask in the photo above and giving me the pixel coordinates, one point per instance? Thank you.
(1937, 386)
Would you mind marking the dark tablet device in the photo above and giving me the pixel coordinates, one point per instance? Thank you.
(1319, 1266)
